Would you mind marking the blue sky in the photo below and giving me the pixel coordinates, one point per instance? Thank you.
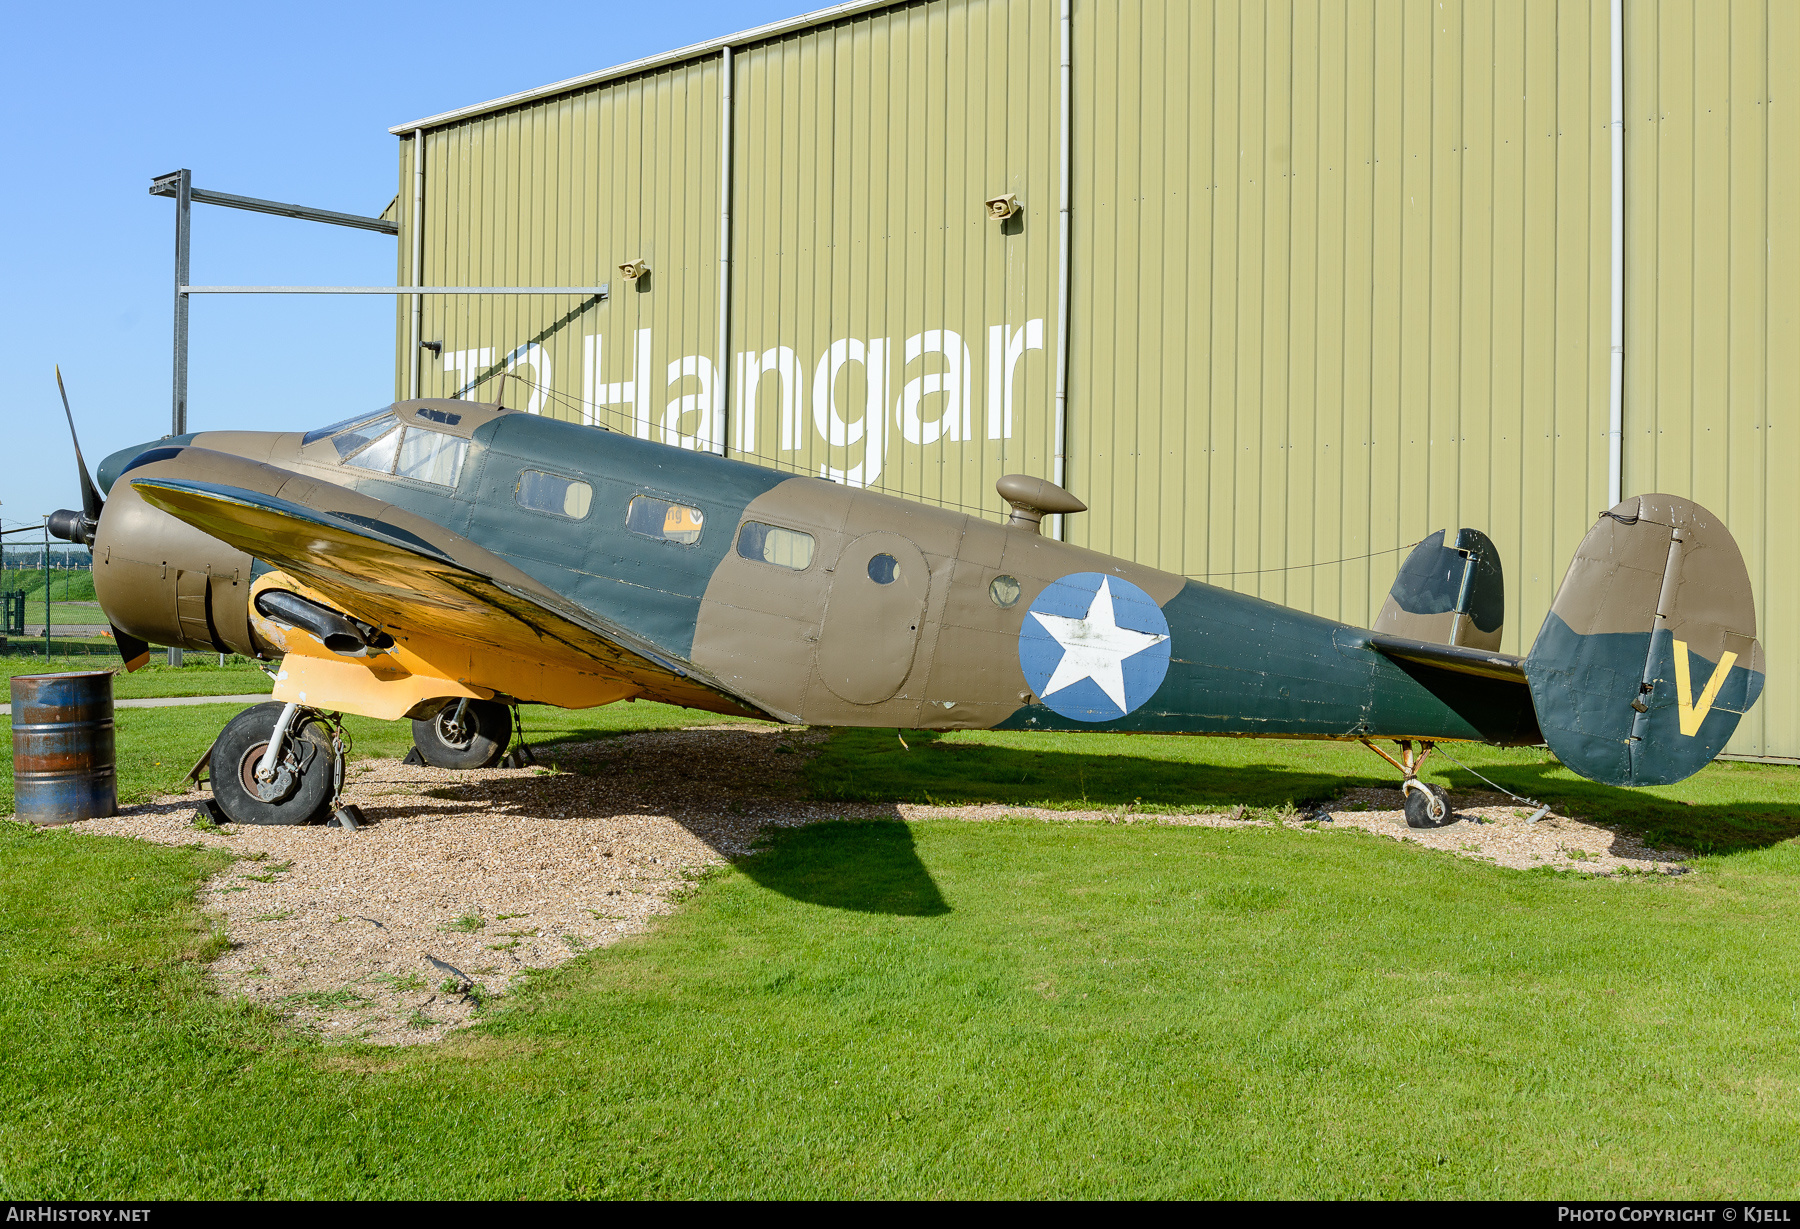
(287, 102)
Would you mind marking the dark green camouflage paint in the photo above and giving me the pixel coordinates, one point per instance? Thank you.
(649, 585)
(1241, 665)
(1582, 688)
(1430, 580)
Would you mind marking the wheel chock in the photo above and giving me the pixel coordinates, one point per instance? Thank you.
(349, 816)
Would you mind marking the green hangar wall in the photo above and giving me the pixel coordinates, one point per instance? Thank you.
(1337, 273)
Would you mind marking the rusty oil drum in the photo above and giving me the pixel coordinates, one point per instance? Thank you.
(63, 754)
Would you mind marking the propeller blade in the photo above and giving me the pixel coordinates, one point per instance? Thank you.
(91, 500)
(135, 652)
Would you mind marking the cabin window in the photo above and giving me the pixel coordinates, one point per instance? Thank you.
(359, 437)
(431, 456)
(658, 518)
(554, 494)
(883, 569)
(785, 548)
(1004, 591)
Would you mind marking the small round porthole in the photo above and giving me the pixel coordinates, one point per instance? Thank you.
(883, 568)
(1005, 591)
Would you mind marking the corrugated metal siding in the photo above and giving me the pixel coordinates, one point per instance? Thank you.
(561, 193)
(1712, 317)
(1340, 274)
(864, 151)
(1341, 279)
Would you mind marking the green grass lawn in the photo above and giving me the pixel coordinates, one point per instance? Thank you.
(1013, 1008)
(200, 676)
(973, 1009)
(63, 613)
(65, 585)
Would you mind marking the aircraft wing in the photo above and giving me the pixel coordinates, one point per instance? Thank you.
(386, 575)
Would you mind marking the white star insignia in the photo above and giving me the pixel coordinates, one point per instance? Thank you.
(1094, 647)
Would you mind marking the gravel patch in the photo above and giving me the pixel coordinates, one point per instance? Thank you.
(462, 881)
(1493, 828)
(395, 934)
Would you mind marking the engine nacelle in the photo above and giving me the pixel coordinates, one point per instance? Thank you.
(165, 582)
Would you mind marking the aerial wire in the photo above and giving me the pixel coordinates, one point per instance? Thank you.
(587, 415)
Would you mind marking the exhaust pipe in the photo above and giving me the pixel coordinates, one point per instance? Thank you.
(337, 632)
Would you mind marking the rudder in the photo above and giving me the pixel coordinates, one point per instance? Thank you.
(1648, 657)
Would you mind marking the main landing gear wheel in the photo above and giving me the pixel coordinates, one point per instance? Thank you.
(299, 792)
(464, 735)
(1427, 806)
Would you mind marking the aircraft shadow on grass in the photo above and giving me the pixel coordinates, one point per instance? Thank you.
(866, 866)
(1702, 827)
(932, 770)
(870, 864)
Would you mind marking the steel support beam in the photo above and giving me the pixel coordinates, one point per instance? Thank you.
(183, 194)
(581, 290)
(169, 185)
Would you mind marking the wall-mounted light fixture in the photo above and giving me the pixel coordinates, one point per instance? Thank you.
(631, 270)
(436, 347)
(1001, 208)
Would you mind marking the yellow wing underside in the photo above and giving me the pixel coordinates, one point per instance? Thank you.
(457, 631)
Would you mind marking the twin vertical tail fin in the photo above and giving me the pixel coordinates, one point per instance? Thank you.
(1448, 593)
(1648, 657)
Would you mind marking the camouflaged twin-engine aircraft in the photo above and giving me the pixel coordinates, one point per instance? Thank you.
(445, 561)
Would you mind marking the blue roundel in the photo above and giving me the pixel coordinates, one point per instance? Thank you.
(1094, 647)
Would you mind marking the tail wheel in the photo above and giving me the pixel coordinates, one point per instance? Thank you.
(1427, 806)
(302, 794)
(476, 738)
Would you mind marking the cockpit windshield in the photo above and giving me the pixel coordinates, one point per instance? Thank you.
(313, 437)
(378, 442)
(351, 441)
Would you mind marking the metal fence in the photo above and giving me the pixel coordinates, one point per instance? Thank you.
(47, 606)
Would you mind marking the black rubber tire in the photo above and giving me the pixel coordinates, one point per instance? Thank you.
(240, 746)
(487, 728)
(1419, 808)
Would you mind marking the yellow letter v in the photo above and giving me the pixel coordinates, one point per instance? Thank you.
(1692, 712)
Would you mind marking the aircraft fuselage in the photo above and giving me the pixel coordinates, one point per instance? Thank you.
(822, 603)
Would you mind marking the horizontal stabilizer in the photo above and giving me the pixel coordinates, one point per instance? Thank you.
(1459, 658)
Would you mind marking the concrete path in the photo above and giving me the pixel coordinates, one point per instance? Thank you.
(170, 702)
